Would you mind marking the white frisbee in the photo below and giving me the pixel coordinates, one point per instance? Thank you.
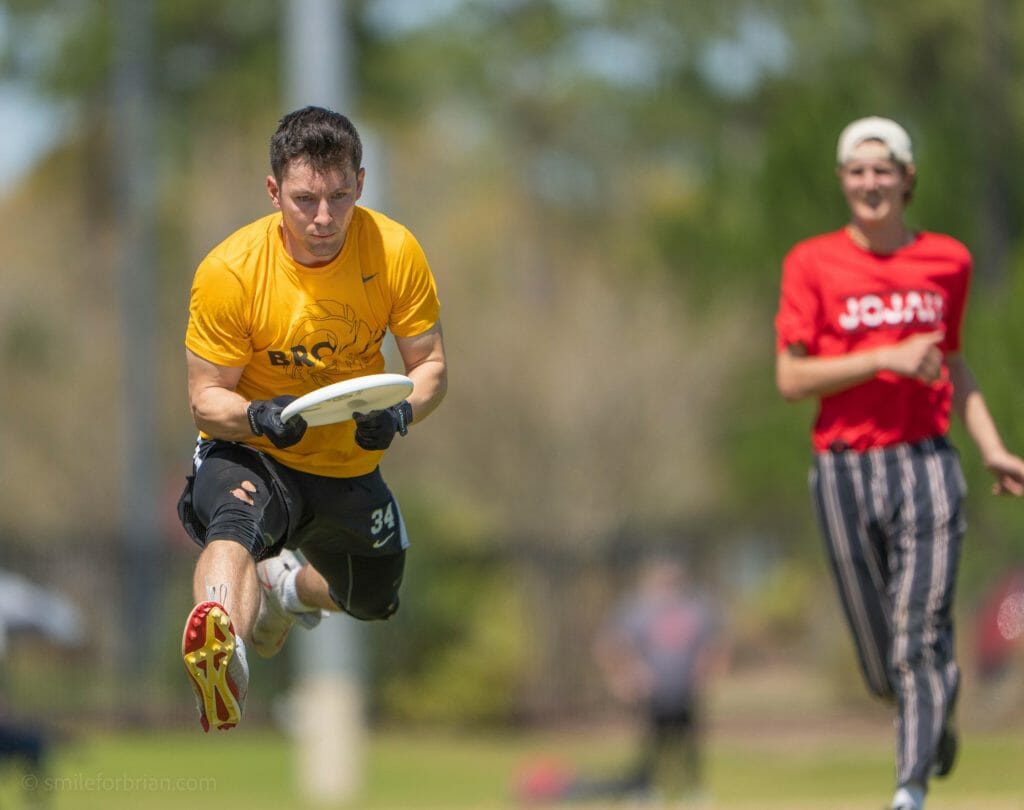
(338, 401)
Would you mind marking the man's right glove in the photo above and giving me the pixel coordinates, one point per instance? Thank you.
(265, 420)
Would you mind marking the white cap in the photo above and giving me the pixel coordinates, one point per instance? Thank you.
(874, 128)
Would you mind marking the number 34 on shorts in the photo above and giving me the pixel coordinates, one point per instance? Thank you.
(385, 525)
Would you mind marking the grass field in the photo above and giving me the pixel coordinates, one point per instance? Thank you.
(758, 769)
(778, 740)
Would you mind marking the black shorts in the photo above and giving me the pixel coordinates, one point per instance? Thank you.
(350, 529)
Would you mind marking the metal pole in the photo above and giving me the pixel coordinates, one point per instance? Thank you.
(328, 696)
(132, 163)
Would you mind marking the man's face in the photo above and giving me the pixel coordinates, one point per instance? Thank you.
(317, 210)
(875, 186)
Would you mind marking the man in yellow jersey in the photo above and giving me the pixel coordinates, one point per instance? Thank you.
(291, 302)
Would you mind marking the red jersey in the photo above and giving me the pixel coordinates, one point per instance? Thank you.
(838, 298)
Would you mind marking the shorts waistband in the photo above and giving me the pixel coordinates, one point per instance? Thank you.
(928, 444)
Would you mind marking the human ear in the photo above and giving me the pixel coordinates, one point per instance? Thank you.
(274, 190)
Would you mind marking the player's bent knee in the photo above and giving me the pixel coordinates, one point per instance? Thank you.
(236, 521)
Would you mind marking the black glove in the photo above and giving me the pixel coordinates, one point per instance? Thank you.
(265, 420)
(376, 429)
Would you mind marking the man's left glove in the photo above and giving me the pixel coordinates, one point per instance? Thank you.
(265, 420)
(375, 430)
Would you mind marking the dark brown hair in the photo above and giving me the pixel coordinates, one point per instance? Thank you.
(322, 138)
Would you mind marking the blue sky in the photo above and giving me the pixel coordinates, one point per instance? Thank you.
(31, 128)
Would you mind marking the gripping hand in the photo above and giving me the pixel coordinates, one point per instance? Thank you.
(265, 420)
(375, 430)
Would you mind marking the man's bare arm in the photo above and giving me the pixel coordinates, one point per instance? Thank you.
(216, 409)
(426, 365)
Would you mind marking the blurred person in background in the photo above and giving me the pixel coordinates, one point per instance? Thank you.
(656, 651)
(869, 323)
(30, 609)
(294, 301)
(28, 746)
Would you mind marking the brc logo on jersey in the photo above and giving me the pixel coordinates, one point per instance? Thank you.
(302, 356)
(328, 343)
(892, 309)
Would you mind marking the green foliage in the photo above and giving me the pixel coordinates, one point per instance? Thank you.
(456, 651)
(994, 334)
(771, 619)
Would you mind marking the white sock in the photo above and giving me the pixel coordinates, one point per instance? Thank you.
(290, 594)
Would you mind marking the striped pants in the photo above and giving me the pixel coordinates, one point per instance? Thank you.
(893, 528)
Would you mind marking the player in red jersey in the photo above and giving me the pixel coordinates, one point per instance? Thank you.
(869, 322)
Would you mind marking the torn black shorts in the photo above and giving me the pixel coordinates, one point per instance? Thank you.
(350, 529)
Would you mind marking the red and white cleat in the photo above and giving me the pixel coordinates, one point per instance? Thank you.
(215, 661)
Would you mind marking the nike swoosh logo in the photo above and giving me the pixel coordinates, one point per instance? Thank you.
(369, 278)
(380, 543)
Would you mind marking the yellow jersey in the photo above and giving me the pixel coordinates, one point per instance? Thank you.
(294, 328)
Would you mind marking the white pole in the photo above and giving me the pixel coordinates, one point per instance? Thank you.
(133, 147)
(327, 698)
